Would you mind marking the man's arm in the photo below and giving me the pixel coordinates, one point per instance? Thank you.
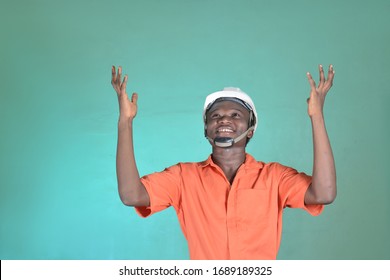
(131, 191)
(323, 187)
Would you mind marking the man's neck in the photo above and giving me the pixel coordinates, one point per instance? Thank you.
(229, 160)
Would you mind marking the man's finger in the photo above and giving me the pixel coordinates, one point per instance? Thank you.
(322, 76)
(134, 98)
(119, 77)
(330, 74)
(311, 81)
(124, 84)
(113, 74)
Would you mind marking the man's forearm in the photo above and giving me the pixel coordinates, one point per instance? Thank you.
(130, 189)
(324, 171)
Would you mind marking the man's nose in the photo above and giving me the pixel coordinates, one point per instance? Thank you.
(225, 119)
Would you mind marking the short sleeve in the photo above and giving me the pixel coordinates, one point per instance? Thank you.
(163, 189)
(292, 189)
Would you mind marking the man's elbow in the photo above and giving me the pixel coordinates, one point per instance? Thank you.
(135, 199)
(328, 197)
(328, 200)
(324, 194)
(128, 202)
(132, 201)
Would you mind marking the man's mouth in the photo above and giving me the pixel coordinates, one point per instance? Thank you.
(225, 130)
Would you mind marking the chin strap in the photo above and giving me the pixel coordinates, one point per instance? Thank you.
(225, 142)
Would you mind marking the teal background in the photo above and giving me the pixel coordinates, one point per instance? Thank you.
(58, 116)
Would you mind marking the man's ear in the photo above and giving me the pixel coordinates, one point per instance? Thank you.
(250, 134)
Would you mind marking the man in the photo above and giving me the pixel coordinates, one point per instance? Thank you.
(229, 206)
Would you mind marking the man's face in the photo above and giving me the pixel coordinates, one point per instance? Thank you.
(227, 119)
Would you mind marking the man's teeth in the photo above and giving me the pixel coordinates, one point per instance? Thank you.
(225, 130)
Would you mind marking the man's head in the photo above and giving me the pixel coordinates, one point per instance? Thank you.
(229, 116)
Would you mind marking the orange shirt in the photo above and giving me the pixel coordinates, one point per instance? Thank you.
(220, 220)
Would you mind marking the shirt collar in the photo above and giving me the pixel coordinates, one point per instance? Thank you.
(249, 163)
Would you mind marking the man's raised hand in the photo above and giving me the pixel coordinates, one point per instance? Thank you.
(127, 107)
(318, 93)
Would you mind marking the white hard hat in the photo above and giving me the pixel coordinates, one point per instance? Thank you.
(232, 94)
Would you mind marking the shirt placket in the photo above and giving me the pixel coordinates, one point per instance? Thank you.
(232, 217)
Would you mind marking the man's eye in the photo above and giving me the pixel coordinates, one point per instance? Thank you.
(214, 116)
(235, 115)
